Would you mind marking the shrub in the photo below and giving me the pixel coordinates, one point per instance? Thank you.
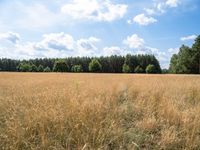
(24, 67)
(150, 69)
(33, 68)
(60, 66)
(165, 71)
(77, 68)
(47, 69)
(138, 69)
(126, 69)
(95, 66)
(40, 68)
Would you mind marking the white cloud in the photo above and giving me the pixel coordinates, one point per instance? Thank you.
(10, 36)
(159, 7)
(57, 41)
(52, 45)
(134, 41)
(149, 11)
(188, 38)
(172, 3)
(87, 47)
(142, 19)
(114, 50)
(94, 10)
(173, 50)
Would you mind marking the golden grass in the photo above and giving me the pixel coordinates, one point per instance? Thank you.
(99, 111)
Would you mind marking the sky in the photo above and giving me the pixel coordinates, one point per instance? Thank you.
(63, 28)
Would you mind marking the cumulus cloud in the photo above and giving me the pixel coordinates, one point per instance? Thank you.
(96, 10)
(10, 36)
(87, 47)
(113, 50)
(188, 38)
(142, 19)
(57, 41)
(134, 41)
(172, 3)
(159, 7)
(51, 45)
(149, 11)
(173, 50)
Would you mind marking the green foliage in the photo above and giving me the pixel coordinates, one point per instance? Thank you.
(196, 55)
(47, 69)
(187, 60)
(131, 61)
(126, 68)
(25, 67)
(95, 66)
(33, 68)
(77, 68)
(138, 69)
(165, 71)
(150, 69)
(40, 68)
(109, 64)
(60, 66)
(9, 64)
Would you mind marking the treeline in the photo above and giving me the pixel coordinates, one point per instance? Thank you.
(187, 61)
(111, 64)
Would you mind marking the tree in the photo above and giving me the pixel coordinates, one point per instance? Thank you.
(60, 66)
(131, 61)
(115, 64)
(108, 64)
(33, 68)
(150, 69)
(77, 68)
(165, 71)
(138, 69)
(183, 61)
(196, 55)
(95, 66)
(9, 64)
(40, 68)
(47, 69)
(126, 68)
(173, 64)
(24, 67)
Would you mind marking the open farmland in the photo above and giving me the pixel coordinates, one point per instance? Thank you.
(99, 111)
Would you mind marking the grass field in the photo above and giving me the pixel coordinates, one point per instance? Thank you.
(99, 111)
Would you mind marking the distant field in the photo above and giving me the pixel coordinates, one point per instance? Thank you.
(99, 111)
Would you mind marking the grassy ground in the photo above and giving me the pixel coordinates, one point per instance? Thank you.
(99, 111)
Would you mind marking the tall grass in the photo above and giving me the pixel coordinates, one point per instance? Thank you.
(98, 111)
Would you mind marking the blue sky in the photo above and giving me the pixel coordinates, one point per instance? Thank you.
(62, 28)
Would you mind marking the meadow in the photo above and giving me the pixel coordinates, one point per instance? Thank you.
(99, 111)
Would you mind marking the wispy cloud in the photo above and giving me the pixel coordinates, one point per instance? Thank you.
(10, 36)
(144, 20)
(188, 38)
(159, 7)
